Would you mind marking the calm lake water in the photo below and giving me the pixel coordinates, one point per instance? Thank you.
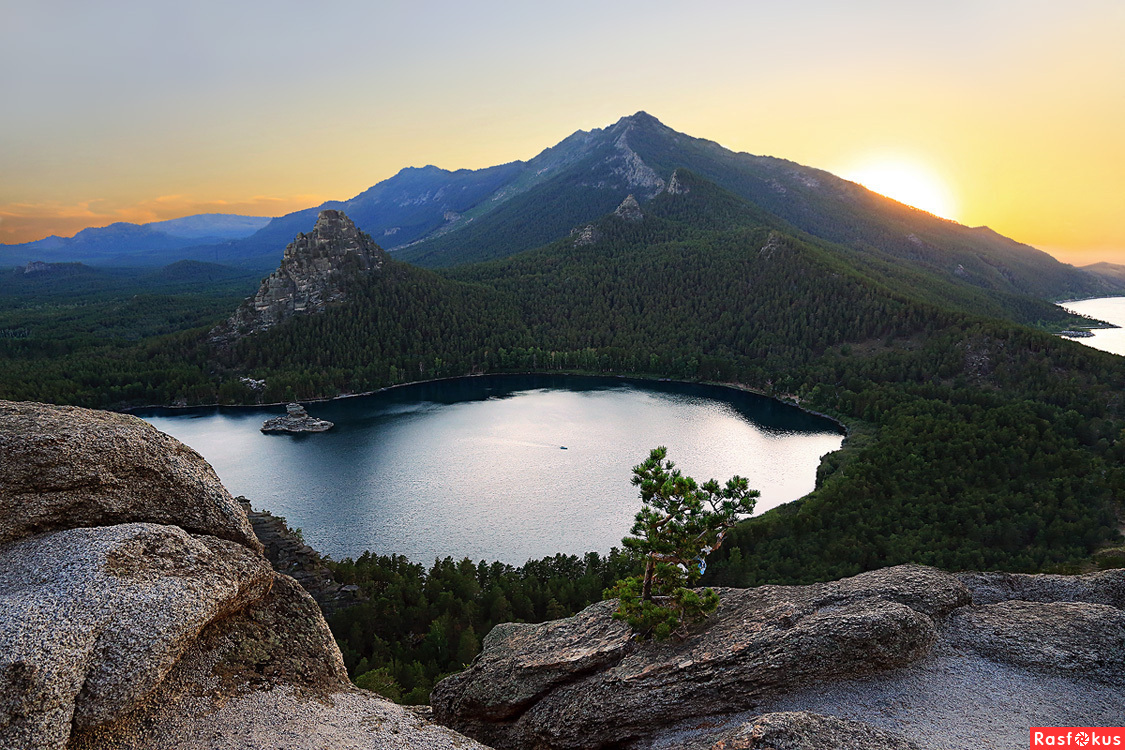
(1109, 309)
(476, 467)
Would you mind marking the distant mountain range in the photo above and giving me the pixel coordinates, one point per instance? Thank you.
(123, 244)
(436, 218)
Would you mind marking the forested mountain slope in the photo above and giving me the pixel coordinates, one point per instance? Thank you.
(976, 441)
(980, 443)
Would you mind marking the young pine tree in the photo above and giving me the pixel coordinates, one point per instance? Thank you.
(679, 524)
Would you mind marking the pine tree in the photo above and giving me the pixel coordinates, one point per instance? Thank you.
(679, 524)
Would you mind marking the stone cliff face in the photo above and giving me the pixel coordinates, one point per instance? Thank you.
(137, 609)
(315, 272)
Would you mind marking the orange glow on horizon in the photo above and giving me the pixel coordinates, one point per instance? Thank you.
(906, 181)
(27, 222)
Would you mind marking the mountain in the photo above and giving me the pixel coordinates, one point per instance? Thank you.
(316, 271)
(439, 218)
(1114, 271)
(211, 226)
(638, 154)
(436, 218)
(415, 203)
(124, 244)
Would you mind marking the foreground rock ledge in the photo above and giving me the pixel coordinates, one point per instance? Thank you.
(584, 682)
(801, 730)
(64, 467)
(138, 612)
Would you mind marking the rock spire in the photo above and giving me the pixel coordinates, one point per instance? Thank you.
(316, 271)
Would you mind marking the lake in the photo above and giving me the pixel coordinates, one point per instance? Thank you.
(504, 468)
(1110, 310)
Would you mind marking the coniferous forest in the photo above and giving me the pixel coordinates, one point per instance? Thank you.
(978, 439)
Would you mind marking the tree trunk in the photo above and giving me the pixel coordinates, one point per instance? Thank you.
(650, 571)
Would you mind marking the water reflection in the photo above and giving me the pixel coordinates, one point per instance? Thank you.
(475, 467)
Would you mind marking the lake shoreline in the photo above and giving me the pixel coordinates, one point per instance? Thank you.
(510, 468)
(1102, 325)
(843, 426)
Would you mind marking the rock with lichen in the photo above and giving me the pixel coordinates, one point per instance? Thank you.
(64, 467)
(585, 682)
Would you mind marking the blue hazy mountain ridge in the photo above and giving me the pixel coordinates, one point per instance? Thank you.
(211, 226)
(421, 202)
(125, 244)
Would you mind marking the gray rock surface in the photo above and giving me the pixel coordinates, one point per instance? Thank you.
(587, 235)
(267, 677)
(91, 619)
(143, 635)
(296, 419)
(315, 272)
(801, 730)
(953, 699)
(584, 682)
(1076, 637)
(676, 186)
(629, 210)
(64, 467)
(1104, 587)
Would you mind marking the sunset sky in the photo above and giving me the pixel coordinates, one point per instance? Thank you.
(120, 111)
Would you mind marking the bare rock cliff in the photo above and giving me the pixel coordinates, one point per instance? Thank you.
(138, 611)
(316, 271)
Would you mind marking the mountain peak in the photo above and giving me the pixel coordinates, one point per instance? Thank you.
(640, 118)
(314, 272)
(629, 210)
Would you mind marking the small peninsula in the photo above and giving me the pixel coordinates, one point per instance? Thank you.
(296, 419)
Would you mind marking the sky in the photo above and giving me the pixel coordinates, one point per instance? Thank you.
(144, 111)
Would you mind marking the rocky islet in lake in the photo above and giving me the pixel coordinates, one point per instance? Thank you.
(296, 419)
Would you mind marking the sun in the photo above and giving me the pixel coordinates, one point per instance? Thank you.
(906, 181)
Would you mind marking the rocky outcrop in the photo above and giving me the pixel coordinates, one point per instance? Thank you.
(629, 165)
(629, 210)
(1104, 587)
(317, 270)
(136, 613)
(933, 660)
(296, 419)
(676, 186)
(288, 554)
(1087, 639)
(801, 730)
(119, 607)
(64, 467)
(584, 682)
(587, 235)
